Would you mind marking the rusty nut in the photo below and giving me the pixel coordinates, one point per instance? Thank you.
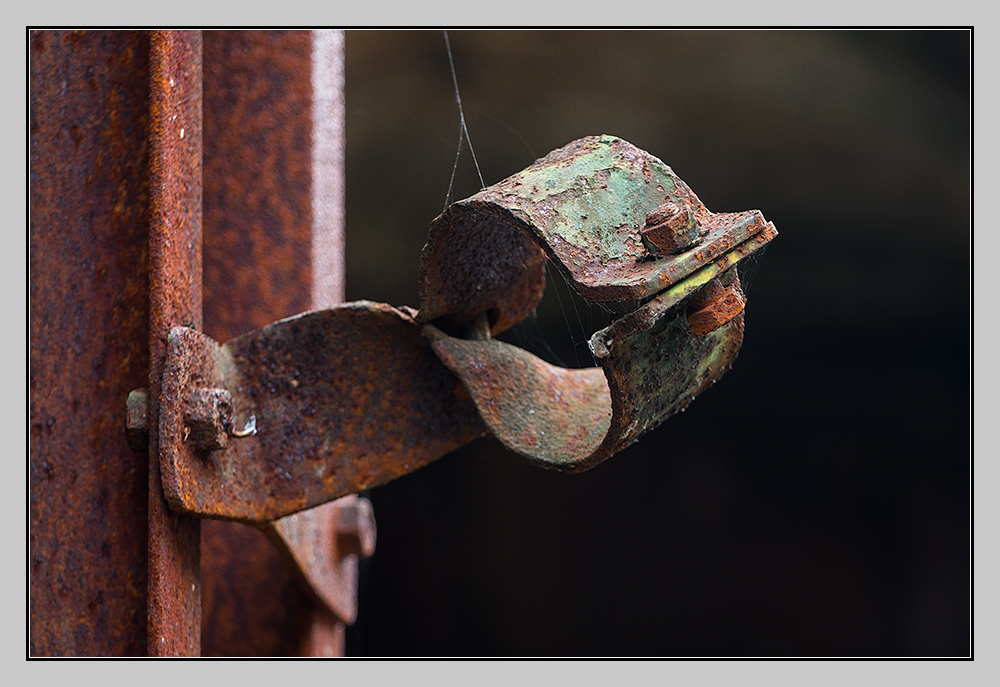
(208, 416)
(670, 229)
(714, 305)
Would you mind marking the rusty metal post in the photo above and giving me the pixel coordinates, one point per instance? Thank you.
(273, 248)
(89, 298)
(326, 632)
(175, 246)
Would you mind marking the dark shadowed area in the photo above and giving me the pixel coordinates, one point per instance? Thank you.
(814, 502)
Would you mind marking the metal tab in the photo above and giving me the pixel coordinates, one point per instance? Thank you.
(342, 400)
(325, 542)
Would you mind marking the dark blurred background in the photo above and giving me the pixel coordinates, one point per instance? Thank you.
(816, 500)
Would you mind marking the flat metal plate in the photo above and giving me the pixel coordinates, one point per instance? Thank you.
(342, 400)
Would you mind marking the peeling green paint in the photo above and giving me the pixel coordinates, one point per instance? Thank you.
(587, 203)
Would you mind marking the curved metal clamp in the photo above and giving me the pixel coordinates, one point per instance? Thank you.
(619, 225)
(332, 402)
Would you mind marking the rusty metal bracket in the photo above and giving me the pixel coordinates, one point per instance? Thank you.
(338, 400)
(331, 402)
(619, 224)
(329, 564)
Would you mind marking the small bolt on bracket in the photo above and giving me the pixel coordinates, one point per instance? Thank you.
(329, 403)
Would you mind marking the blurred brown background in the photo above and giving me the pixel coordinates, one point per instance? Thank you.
(815, 501)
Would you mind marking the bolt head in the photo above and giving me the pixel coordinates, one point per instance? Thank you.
(208, 415)
(670, 229)
(715, 305)
(137, 420)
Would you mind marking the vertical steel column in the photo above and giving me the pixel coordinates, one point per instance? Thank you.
(175, 183)
(116, 255)
(89, 328)
(326, 632)
(328, 151)
(273, 247)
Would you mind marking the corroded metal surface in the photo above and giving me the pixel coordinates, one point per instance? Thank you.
(354, 397)
(325, 549)
(574, 419)
(475, 263)
(175, 114)
(273, 242)
(716, 304)
(258, 178)
(342, 399)
(89, 340)
(90, 222)
(534, 408)
(254, 603)
(670, 229)
(587, 205)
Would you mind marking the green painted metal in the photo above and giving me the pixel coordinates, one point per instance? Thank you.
(584, 207)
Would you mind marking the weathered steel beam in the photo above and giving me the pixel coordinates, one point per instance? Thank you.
(175, 120)
(111, 112)
(274, 178)
(89, 340)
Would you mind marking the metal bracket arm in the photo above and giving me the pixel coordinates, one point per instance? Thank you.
(333, 402)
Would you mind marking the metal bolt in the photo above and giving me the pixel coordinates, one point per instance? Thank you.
(208, 416)
(715, 305)
(670, 229)
(355, 527)
(137, 420)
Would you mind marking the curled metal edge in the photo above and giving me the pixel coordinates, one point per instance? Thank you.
(407, 410)
(583, 207)
(651, 366)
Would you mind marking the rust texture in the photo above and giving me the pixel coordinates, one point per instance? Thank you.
(342, 399)
(273, 247)
(89, 294)
(352, 397)
(587, 205)
(715, 305)
(534, 408)
(258, 179)
(670, 229)
(175, 115)
(208, 418)
(330, 563)
(476, 263)
(254, 604)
